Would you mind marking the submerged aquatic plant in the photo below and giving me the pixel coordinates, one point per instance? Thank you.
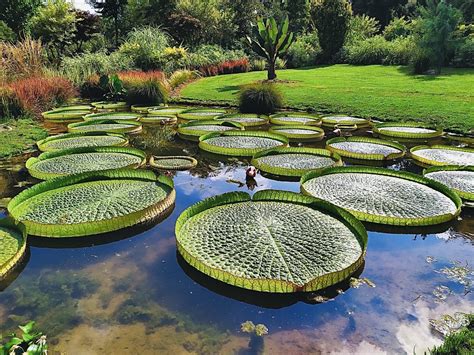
(31, 342)
(256, 343)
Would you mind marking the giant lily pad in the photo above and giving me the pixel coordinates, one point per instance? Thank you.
(65, 115)
(110, 105)
(156, 119)
(194, 129)
(240, 143)
(144, 109)
(443, 155)
(299, 133)
(291, 161)
(201, 114)
(12, 245)
(50, 165)
(384, 196)
(366, 148)
(167, 110)
(173, 162)
(333, 121)
(92, 203)
(278, 241)
(406, 130)
(110, 126)
(246, 120)
(458, 178)
(81, 140)
(295, 118)
(117, 116)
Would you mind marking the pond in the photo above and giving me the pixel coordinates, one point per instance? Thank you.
(130, 292)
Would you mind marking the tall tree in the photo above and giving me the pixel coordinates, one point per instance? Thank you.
(87, 26)
(299, 15)
(113, 10)
(380, 9)
(16, 13)
(244, 14)
(150, 12)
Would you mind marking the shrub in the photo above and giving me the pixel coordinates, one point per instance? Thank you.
(398, 27)
(304, 51)
(260, 98)
(280, 63)
(91, 89)
(369, 51)
(145, 88)
(420, 62)
(464, 54)
(10, 106)
(180, 77)
(361, 27)
(258, 65)
(400, 51)
(6, 33)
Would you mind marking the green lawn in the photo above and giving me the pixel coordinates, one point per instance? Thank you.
(384, 92)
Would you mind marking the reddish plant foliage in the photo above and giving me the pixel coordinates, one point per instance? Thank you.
(136, 75)
(227, 67)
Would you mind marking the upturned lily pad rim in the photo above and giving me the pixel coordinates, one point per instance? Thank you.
(111, 115)
(191, 114)
(143, 109)
(397, 221)
(134, 126)
(465, 195)
(110, 105)
(154, 162)
(318, 133)
(159, 119)
(59, 115)
(329, 121)
(243, 152)
(275, 170)
(42, 143)
(31, 162)
(156, 111)
(316, 119)
(423, 160)
(407, 135)
(263, 120)
(74, 108)
(10, 264)
(98, 227)
(271, 285)
(368, 156)
(186, 131)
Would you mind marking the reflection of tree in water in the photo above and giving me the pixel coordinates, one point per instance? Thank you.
(160, 140)
(212, 165)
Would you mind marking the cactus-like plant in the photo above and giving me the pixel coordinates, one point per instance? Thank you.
(272, 41)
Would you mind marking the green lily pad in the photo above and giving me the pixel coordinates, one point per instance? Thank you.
(12, 245)
(384, 196)
(167, 110)
(406, 130)
(295, 118)
(110, 105)
(155, 119)
(201, 114)
(458, 178)
(246, 120)
(334, 121)
(194, 129)
(117, 116)
(299, 133)
(144, 109)
(81, 140)
(65, 115)
(443, 155)
(173, 162)
(109, 126)
(366, 148)
(279, 241)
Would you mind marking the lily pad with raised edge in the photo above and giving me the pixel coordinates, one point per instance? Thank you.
(406, 131)
(366, 148)
(118, 116)
(74, 107)
(279, 241)
(342, 120)
(295, 118)
(442, 155)
(110, 105)
(467, 139)
(155, 119)
(108, 126)
(173, 162)
(58, 163)
(294, 162)
(143, 109)
(299, 133)
(92, 203)
(167, 110)
(246, 120)
(458, 178)
(12, 245)
(194, 129)
(81, 140)
(201, 114)
(240, 143)
(384, 196)
(64, 115)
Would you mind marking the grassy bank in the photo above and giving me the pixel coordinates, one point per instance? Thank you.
(23, 136)
(385, 92)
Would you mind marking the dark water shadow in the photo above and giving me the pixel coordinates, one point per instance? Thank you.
(280, 177)
(263, 299)
(98, 239)
(418, 231)
(16, 271)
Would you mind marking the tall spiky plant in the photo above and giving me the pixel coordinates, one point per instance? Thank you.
(272, 41)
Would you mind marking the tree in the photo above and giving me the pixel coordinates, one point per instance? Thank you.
(380, 9)
(299, 15)
(150, 12)
(55, 25)
(244, 14)
(16, 13)
(331, 18)
(111, 10)
(87, 27)
(437, 25)
(6, 33)
(272, 41)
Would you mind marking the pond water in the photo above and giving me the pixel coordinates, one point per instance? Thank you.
(129, 292)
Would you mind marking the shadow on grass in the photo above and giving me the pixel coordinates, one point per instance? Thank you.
(228, 88)
(445, 72)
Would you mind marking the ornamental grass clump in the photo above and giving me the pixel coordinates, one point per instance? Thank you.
(145, 88)
(260, 98)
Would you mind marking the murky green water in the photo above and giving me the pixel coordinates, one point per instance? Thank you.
(129, 292)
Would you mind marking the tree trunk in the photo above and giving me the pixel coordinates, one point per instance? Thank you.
(271, 70)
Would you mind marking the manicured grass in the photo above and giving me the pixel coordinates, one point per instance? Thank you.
(385, 92)
(24, 135)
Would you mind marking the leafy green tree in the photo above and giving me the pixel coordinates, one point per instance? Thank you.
(380, 9)
(298, 13)
(331, 18)
(6, 33)
(55, 25)
(244, 14)
(87, 27)
(112, 10)
(16, 13)
(150, 12)
(272, 41)
(437, 25)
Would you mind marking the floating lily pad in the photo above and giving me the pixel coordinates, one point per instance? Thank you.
(443, 155)
(279, 241)
(406, 130)
(468, 140)
(459, 178)
(295, 118)
(333, 121)
(110, 126)
(240, 143)
(194, 129)
(117, 116)
(50, 165)
(201, 114)
(246, 120)
(291, 161)
(173, 162)
(167, 110)
(155, 119)
(299, 133)
(92, 203)
(64, 115)
(366, 148)
(81, 140)
(74, 108)
(12, 245)
(144, 109)
(384, 196)
(110, 105)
